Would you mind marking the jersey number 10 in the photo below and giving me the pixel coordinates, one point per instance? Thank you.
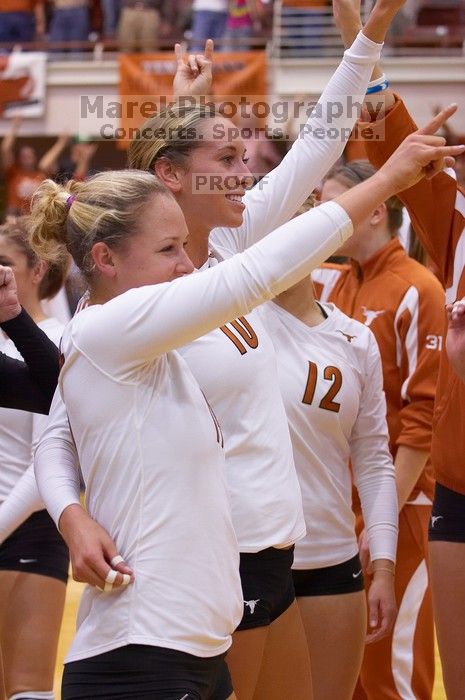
(330, 374)
(245, 331)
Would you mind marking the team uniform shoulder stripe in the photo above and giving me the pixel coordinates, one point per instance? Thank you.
(327, 279)
(458, 269)
(460, 202)
(458, 234)
(409, 304)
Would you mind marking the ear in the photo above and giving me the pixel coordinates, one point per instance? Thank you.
(169, 173)
(378, 215)
(39, 271)
(103, 259)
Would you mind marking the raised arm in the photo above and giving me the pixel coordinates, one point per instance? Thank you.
(84, 156)
(8, 144)
(48, 164)
(277, 197)
(439, 228)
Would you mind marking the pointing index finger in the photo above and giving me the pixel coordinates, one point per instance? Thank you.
(432, 126)
(178, 52)
(209, 48)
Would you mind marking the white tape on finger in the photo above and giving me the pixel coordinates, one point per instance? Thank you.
(111, 576)
(117, 560)
(126, 579)
(107, 587)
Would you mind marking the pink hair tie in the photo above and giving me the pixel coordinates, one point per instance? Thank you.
(70, 200)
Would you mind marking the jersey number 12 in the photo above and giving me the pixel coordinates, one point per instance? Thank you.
(330, 374)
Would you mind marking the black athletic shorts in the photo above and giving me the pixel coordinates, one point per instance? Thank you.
(141, 672)
(267, 585)
(329, 580)
(447, 523)
(36, 547)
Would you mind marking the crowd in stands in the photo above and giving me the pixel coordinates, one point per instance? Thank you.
(134, 24)
(147, 25)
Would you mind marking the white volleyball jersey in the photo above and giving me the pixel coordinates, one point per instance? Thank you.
(235, 367)
(150, 447)
(20, 430)
(331, 382)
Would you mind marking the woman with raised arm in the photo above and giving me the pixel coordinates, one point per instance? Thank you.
(259, 469)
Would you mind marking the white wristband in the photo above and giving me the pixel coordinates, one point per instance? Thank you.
(379, 81)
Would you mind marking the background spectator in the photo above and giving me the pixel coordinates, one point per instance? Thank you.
(70, 20)
(244, 16)
(208, 21)
(139, 24)
(110, 11)
(22, 174)
(21, 20)
(23, 171)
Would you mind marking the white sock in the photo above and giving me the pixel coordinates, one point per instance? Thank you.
(33, 695)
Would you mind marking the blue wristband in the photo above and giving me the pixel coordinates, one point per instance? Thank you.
(378, 88)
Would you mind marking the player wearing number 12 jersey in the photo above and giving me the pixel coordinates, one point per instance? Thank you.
(330, 377)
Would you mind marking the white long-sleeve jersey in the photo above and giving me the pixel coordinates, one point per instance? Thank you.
(150, 447)
(235, 366)
(331, 381)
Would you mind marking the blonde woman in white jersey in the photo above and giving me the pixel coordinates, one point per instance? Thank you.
(161, 493)
(33, 556)
(330, 377)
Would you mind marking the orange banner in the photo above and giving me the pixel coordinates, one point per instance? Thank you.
(146, 85)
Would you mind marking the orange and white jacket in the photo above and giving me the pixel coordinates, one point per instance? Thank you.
(403, 304)
(437, 210)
